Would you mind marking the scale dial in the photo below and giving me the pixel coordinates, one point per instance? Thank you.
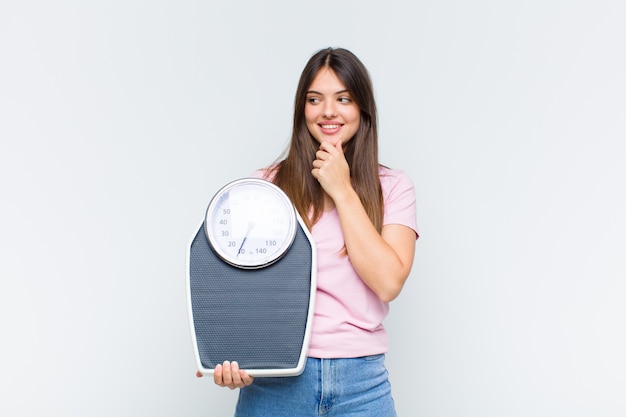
(250, 223)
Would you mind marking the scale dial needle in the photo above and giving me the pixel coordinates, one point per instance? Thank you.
(250, 227)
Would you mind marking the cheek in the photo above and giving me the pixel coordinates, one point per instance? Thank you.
(356, 117)
(309, 114)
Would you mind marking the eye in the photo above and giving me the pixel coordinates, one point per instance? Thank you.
(344, 100)
(313, 100)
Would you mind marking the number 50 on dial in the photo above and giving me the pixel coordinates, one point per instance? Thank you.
(250, 223)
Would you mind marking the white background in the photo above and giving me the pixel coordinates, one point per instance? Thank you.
(120, 119)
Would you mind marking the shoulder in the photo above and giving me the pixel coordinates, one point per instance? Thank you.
(392, 179)
(267, 173)
(398, 197)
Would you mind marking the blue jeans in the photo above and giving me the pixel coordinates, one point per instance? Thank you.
(327, 387)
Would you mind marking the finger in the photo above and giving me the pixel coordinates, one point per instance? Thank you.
(245, 378)
(227, 376)
(199, 374)
(236, 375)
(326, 147)
(322, 154)
(218, 375)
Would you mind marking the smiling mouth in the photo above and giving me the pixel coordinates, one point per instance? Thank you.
(329, 127)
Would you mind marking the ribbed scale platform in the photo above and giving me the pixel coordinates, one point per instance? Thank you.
(257, 317)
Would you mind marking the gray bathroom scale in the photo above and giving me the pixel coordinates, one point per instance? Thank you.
(251, 275)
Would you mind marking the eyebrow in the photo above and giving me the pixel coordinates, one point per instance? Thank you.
(337, 92)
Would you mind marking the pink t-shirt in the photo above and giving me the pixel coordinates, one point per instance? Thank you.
(348, 315)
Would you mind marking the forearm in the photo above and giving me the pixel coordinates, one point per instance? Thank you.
(377, 260)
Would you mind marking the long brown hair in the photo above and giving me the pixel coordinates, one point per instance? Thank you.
(292, 174)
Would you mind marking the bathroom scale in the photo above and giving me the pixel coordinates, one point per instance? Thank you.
(251, 280)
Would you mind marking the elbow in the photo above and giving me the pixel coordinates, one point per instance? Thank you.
(391, 288)
(386, 282)
(390, 292)
(387, 297)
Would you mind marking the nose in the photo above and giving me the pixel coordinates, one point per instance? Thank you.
(329, 109)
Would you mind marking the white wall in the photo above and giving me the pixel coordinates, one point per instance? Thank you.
(119, 119)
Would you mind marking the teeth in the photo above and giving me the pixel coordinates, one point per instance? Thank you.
(330, 126)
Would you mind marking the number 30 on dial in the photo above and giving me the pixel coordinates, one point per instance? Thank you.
(250, 223)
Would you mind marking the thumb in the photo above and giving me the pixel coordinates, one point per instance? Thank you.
(339, 145)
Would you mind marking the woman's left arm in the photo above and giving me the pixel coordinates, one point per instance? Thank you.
(383, 261)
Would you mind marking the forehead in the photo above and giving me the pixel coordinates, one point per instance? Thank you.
(326, 81)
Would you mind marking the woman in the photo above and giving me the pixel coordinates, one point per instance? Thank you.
(362, 218)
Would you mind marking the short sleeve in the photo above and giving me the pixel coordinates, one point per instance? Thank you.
(399, 199)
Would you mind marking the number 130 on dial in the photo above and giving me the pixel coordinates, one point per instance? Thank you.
(250, 223)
